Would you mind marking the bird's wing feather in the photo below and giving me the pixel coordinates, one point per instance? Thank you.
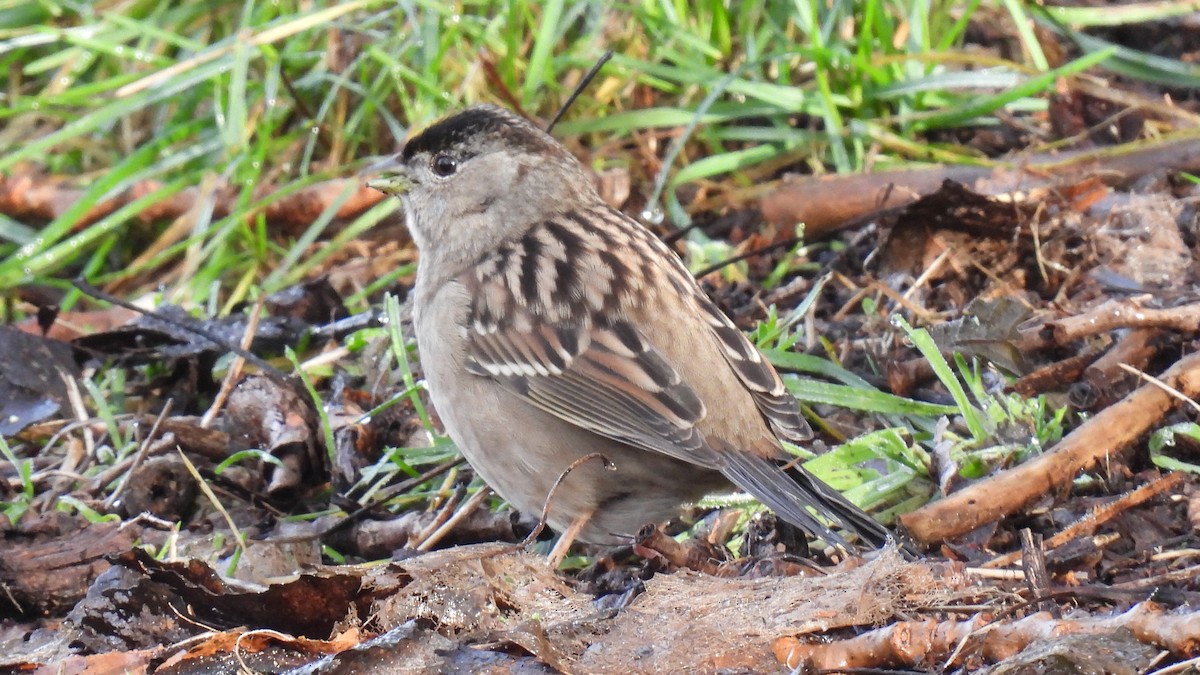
(770, 395)
(578, 361)
(606, 379)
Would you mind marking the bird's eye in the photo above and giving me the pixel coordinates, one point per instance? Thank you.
(444, 165)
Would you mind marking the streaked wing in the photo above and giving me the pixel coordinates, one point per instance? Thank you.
(606, 379)
(775, 403)
(573, 359)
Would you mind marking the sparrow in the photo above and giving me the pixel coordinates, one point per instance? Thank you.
(553, 329)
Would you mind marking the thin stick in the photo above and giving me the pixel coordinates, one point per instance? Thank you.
(460, 515)
(235, 369)
(140, 456)
(587, 79)
(380, 499)
(88, 289)
(554, 490)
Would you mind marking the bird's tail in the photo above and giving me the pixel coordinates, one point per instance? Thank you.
(798, 497)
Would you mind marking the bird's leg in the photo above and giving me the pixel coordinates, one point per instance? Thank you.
(567, 538)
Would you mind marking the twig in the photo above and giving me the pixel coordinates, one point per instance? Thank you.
(1125, 314)
(235, 368)
(269, 370)
(1161, 385)
(1099, 515)
(1093, 442)
(583, 84)
(541, 524)
(142, 452)
(465, 510)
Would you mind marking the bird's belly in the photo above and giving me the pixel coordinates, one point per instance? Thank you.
(522, 461)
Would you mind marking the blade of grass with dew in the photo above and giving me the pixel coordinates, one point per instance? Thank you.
(987, 104)
(659, 118)
(400, 350)
(318, 404)
(351, 232)
(1112, 14)
(283, 269)
(109, 114)
(16, 269)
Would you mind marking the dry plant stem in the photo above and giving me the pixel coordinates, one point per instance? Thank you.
(1175, 555)
(1162, 385)
(1098, 516)
(921, 643)
(550, 500)
(1002, 575)
(467, 508)
(679, 555)
(920, 312)
(1184, 667)
(567, 538)
(1093, 442)
(1102, 88)
(143, 451)
(829, 203)
(81, 415)
(1124, 314)
(235, 369)
(180, 228)
(440, 517)
(239, 538)
(1187, 574)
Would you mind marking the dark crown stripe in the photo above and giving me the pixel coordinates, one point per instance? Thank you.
(475, 122)
(453, 130)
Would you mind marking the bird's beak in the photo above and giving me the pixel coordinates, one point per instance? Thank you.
(392, 182)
